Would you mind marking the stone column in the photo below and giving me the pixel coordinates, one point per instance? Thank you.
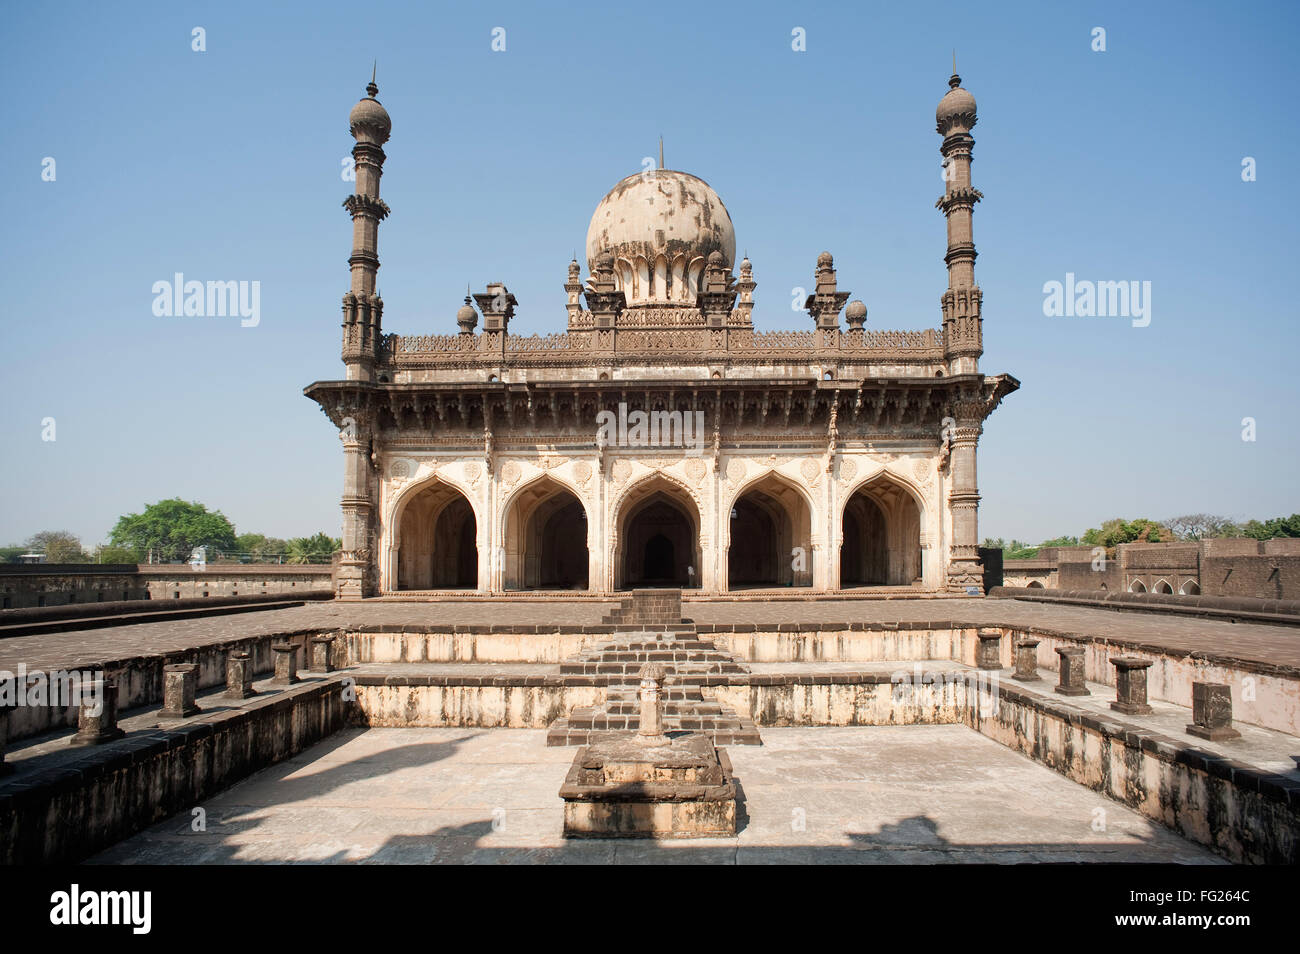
(97, 713)
(1027, 660)
(321, 647)
(988, 653)
(1071, 681)
(239, 676)
(286, 664)
(1212, 712)
(355, 577)
(179, 685)
(651, 732)
(964, 569)
(1130, 685)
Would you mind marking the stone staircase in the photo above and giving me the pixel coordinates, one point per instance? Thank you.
(651, 630)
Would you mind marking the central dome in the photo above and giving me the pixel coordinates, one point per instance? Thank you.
(660, 227)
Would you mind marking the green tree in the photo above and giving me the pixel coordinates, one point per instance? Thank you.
(1063, 541)
(11, 553)
(314, 549)
(111, 554)
(1114, 532)
(259, 547)
(59, 546)
(1274, 527)
(171, 529)
(1202, 526)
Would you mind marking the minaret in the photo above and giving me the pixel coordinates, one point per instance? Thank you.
(963, 342)
(962, 338)
(362, 327)
(363, 309)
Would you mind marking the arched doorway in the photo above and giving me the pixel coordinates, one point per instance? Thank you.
(546, 539)
(881, 544)
(658, 538)
(437, 541)
(770, 537)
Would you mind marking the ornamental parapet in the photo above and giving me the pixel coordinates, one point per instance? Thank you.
(742, 342)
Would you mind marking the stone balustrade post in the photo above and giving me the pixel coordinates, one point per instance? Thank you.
(1071, 682)
(321, 647)
(180, 683)
(1212, 712)
(286, 664)
(651, 731)
(988, 654)
(1027, 660)
(97, 712)
(239, 676)
(1130, 685)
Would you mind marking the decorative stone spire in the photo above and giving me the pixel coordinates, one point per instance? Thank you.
(718, 292)
(466, 316)
(826, 301)
(746, 286)
(363, 309)
(963, 338)
(573, 291)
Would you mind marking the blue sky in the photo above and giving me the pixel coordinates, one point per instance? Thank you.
(1115, 165)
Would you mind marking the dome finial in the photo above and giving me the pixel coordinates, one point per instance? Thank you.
(371, 88)
(661, 150)
(954, 81)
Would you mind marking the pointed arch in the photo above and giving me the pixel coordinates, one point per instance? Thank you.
(434, 534)
(657, 535)
(881, 521)
(546, 537)
(769, 533)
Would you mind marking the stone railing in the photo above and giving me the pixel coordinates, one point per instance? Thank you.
(737, 341)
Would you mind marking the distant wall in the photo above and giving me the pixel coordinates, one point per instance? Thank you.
(60, 584)
(1234, 567)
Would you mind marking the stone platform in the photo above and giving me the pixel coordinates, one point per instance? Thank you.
(622, 787)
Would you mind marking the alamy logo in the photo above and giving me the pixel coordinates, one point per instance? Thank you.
(1087, 299)
(74, 906)
(651, 429)
(59, 688)
(182, 299)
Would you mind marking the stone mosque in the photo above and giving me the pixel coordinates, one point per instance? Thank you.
(832, 458)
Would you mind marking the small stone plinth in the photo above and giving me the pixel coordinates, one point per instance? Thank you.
(97, 713)
(239, 676)
(286, 664)
(988, 654)
(622, 788)
(320, 654)
(1212, 712)
(1130, 685)
(179, 685)
(1027, 660)
(1071, 682)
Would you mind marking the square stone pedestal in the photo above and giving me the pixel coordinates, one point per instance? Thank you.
(620, 788)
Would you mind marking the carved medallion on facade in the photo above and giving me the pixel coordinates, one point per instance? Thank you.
(736, 470)
(921, 470)
(472, 469)
(848, 469)
(582, 473)
(510, 473)
(695, 469)
(400, 470)
(621, 471)
(808, 467)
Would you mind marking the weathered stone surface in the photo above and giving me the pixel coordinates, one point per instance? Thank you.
(1131, 684)
(620, 787)
(97, 714)
(1212, 712)
(1071, 679)
(180, 682)
(286, 663)
(239, 675)
(988, 650)
(322, 648)
(1027, 659)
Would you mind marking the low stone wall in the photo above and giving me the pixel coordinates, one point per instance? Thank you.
(467, 643)
(63, 584)
(465, 701)
(67, 813)
(140, 679)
